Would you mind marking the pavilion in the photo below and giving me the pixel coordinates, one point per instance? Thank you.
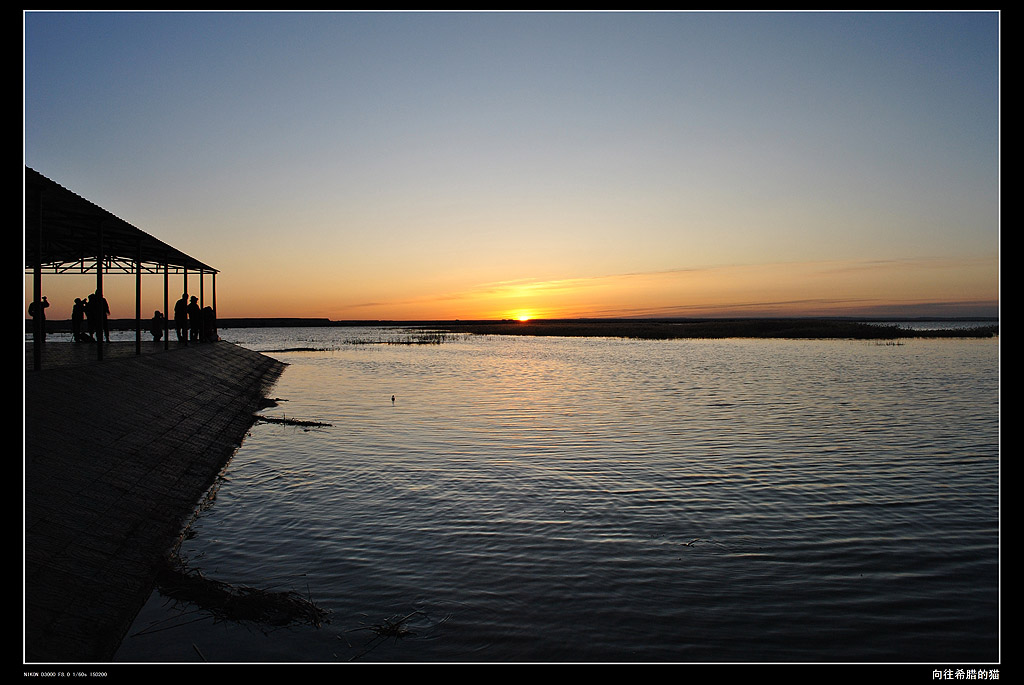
(65, 233)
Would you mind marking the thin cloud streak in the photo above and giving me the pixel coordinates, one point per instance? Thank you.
(708, 291)
(421, 165)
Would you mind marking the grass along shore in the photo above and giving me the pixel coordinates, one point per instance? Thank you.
(715, 328)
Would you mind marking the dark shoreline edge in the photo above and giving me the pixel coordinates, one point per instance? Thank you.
(647, 329)
(717, 328)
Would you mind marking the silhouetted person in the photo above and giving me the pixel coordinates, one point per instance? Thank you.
(77, 318)
(195, 319)
(37, 310)
(90, 318)
(104, 310)
(93, 309)
(209, 325)
(181, 318)
(98, 311)
(156, 325)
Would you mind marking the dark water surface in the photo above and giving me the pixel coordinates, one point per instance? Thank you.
(556, 499)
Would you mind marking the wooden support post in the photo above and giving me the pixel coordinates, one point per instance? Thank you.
(167, 330)
(138, 298)
(38, 330)
(100, 312)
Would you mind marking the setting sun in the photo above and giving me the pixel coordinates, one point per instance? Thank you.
(758, 249)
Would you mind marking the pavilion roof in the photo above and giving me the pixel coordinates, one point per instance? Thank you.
(64, 232)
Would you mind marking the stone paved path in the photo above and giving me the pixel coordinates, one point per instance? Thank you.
(117, 454)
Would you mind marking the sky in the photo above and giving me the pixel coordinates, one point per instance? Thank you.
(484, 165)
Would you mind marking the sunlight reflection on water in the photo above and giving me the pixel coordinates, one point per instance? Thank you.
(555, 499)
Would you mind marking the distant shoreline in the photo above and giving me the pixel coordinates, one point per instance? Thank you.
(879, 328)
(665, 329)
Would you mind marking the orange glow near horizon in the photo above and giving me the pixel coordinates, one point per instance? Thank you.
(837, 288)
(473, 166)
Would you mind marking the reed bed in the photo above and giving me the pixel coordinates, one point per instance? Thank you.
(719, 328)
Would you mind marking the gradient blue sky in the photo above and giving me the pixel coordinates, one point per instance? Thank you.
(419, 165)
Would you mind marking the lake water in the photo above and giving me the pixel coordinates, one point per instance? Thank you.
(581, 500)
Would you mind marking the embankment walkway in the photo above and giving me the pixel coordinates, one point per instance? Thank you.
(117, 454)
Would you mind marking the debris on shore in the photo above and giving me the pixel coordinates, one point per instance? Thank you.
(290, 422)
(237, 603)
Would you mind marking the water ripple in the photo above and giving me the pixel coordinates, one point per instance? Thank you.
(557, 499)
